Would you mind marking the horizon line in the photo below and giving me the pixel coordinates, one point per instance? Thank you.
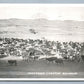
(39, 19)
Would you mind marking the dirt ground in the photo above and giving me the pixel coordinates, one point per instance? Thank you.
(42, 69)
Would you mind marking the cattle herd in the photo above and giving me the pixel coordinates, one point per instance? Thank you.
(51, 51)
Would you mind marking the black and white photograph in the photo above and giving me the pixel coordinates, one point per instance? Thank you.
(41, 41)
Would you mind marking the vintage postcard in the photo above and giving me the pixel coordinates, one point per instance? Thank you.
(41, 42)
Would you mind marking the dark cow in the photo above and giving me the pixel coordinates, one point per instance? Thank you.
(82, 56)
(51, 59)
(59, 61)
(66, 58)
(12, 62)
(55, 59)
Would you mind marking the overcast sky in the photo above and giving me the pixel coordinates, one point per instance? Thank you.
(48, 11)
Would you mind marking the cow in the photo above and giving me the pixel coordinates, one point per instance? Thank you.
(82, 56)
(26, 59)
(51, 59)
(59, 61)
(74, 59)
(77, 59)
(12, 62)
(36, 57)
(55, 59)
(65, 58)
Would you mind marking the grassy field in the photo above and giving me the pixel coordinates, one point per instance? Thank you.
(23, 69)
